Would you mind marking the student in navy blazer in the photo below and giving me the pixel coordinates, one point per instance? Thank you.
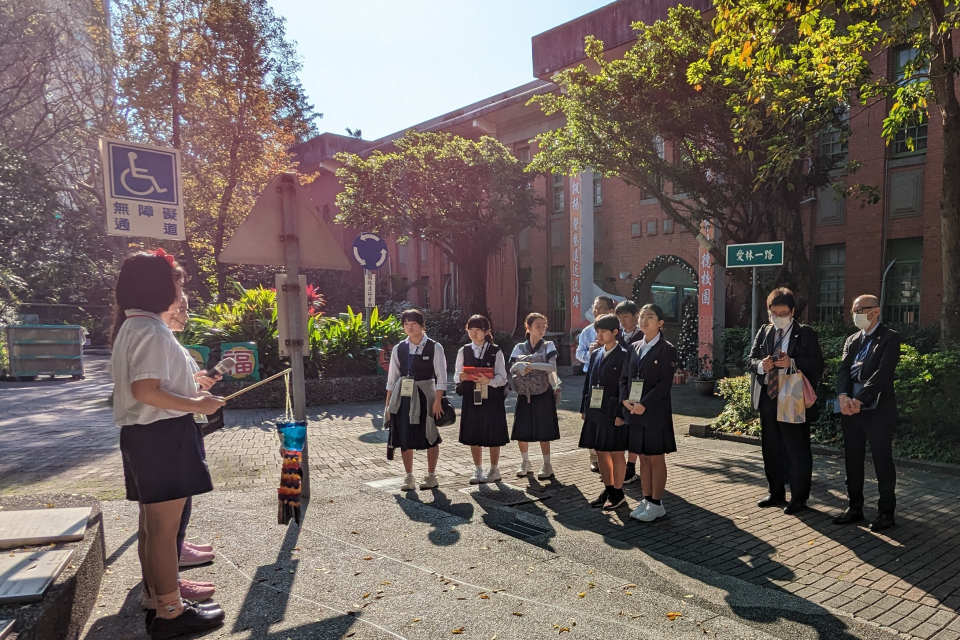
(652, 360)
(604, 430)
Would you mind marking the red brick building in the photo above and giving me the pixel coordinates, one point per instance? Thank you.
(600, 235)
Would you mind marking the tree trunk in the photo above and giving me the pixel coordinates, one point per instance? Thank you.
(193, 268)
(225, 201)
(943, 83)
(473, 284)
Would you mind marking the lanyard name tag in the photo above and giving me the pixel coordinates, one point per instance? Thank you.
(596, 398)
(200, 418)
(636, 390)
(406, 387)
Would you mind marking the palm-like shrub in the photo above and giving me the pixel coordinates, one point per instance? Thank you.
(344, 346)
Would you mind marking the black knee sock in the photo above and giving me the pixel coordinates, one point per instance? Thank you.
(648, 498)
(631, 469)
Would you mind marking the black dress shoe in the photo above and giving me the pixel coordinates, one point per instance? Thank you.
(883, 521)
(203, 606)
(794, 508)
(192, 620)
(594, 467)
(849, 516)
(771, 501)
(596, 504)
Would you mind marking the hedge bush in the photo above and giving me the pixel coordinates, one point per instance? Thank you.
(927, 399)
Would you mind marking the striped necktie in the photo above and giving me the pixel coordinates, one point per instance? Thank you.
(773, 376)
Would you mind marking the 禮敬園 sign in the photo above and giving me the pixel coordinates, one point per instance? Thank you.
(142, 191)
(756, 254)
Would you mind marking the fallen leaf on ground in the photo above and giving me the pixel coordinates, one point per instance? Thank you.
(628, 593)
(631, 586)
(385, 582)
(562, 629)
(354, 533)
(673, 615)
(581, 595)
(517, 613)
(368, 557)
(484, 596)
(689, 595)
(457, 631)
(416, 619)
(366, 595)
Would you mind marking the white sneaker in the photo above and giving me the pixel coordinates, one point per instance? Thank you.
(640, 510)
(653, 512)
(478, 477)
(493, 475)
(429, 482)
(409, 484)
(546, 471)
(525, 468)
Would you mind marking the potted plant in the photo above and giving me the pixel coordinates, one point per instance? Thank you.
(705, 375)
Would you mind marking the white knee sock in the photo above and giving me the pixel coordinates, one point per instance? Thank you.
(479, 468)
(526, 456)
(546, 458)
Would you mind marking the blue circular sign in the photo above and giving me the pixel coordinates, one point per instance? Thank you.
(370, 251)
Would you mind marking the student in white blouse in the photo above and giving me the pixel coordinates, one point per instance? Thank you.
(155, 397)
(417, 374)
(483, 416)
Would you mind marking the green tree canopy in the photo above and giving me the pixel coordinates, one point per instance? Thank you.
(663, 121)
(465, 197)
(797, 55)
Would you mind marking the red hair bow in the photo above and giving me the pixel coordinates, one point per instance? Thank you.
(160, 253)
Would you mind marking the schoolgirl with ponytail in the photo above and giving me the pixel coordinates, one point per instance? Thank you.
(534, 365)
(483, 414)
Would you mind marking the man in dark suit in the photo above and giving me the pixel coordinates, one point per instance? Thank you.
(785, 446)
(869, 408)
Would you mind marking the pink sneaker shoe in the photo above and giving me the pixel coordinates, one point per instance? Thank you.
(198, 547)
(196, 591)
(190, 557)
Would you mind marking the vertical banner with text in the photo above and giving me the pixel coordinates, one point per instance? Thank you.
(142, 191)
(706, 276)
(576, 289)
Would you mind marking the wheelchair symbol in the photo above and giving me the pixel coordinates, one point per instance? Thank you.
(139, 174)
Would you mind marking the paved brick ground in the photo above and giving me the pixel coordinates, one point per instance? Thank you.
(59, 437)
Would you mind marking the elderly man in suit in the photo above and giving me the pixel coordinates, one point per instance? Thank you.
(786, 447)
(869, 408)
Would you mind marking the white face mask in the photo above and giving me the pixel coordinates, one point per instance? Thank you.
(780, 323)
(862, 321)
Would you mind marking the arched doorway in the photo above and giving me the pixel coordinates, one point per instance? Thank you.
(671, 282)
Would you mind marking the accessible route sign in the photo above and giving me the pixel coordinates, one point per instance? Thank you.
(757, 254)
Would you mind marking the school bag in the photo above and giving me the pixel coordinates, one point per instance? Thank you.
(535, 381)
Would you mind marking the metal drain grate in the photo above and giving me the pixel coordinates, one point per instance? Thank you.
(521, 530)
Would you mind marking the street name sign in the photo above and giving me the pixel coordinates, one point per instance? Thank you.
(142, 190)
(757, 254)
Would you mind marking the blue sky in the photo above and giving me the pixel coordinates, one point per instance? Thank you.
(384, 65)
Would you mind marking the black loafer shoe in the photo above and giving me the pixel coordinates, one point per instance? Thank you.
(794, 508)
(883, 521)
(596, 504)
(203, 606)
(594, 467)
(192, 620)
(849, 517)
(771, 501)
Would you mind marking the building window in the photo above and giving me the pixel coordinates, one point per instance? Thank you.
(902, 287)
(902, 58)
(831, 206)
(832, 150)
(598, 232)
(635, 229)
(523, 154)
(906, 193)
(598, 274)
(524, 240)
(667, 225)
(425, 295)
(557, 236)
(597, 190)
(910, 140)
(558, 304)
(832, 259)
(559, 203)
(651, 227)
(526, 290)
(424, 251)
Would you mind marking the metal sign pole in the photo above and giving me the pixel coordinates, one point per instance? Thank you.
(366, 284)
(753, 306)
(296, 333)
